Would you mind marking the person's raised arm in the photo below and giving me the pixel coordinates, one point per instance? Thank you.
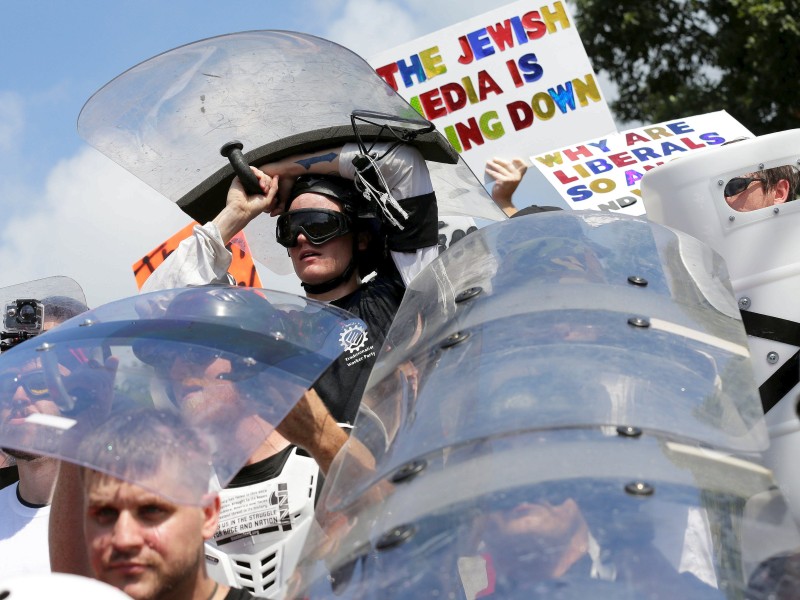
(240, 208)
(202, 258)
(321, 162)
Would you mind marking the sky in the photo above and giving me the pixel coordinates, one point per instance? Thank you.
(68, 210)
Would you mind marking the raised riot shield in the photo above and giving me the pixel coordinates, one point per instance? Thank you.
(564, 408)
(277, 93)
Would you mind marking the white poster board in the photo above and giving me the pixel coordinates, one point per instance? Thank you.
(510, 82)
(603, 173)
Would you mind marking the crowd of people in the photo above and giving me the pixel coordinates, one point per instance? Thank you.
(71, 518)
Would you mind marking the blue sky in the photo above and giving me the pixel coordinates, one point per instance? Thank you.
(69, 210)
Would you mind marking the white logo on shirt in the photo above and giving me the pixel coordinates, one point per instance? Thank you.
(353, 338)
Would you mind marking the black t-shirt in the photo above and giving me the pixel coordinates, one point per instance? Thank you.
(268, 468)
(263, 470)
(238, 594)
(376, 303)
(8, 475)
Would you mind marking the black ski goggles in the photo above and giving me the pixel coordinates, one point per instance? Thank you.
(737, 185)
(318, 225)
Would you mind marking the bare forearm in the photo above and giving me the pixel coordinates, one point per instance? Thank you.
(240, 208)
(504, 202)
(322, 162)
(231, 221)
(311, 426)
(327, 445)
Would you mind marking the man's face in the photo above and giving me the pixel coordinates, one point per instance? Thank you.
(536, 526)
(143, 544)
(315, 264)
(201, 389)
(756, 195)
(24, 394)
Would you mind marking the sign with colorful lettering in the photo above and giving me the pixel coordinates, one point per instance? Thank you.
(507, 83)
(242, 267)
(603, 173)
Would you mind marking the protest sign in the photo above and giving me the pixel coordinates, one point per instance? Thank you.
(242, 268)
(603, 173)
(510, 82)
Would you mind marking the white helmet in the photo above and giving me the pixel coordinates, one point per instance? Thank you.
(58, 585)
(762, 252)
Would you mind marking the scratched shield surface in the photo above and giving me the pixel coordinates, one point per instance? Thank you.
(278, 93)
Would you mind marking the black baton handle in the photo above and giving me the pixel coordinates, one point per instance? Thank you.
(233, 152)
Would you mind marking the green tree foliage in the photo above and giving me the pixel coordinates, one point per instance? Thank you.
(675, 58)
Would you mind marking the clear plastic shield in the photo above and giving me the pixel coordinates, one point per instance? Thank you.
(30, 308)
(47, 287)
(172, 390)
(564, 320)
(278, 93)
(25, 314)
(560, 514)
(554, 374)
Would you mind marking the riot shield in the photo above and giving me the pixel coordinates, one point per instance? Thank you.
(741, 199)
(563, 408)
(172, 390)
(276, 92)
(25, 315)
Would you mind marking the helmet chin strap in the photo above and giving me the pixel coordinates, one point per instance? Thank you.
(344, 276)
(327, 286)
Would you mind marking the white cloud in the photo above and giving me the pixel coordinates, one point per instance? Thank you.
(367, 26)
(449, 12)
(371, 26)
(92, 222)
(12, 119)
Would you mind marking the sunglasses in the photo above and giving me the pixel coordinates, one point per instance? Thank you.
(163, 355)
(34, 383)
(317, 224)
(739, 184)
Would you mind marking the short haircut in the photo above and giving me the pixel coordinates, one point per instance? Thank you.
(62, 308)
(137, 445)
(775, 174)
